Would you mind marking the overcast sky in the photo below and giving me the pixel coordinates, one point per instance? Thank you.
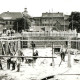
(36, 7)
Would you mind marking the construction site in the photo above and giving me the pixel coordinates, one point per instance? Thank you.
(48, 64)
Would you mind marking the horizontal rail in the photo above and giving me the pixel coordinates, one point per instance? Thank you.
(9, 40)
(8, 37)
(51, 40)
(68, 74)
(26, 56)
(29, 34)
(43, 40)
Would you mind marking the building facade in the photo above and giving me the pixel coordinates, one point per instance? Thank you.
(47, 22)
(10, 17)
(51, 21)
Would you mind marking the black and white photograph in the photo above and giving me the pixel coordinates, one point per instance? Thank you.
(39, 39)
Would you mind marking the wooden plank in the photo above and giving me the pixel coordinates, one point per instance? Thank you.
(68, 74)
(27, 56)
(52, 40)
(1, 39)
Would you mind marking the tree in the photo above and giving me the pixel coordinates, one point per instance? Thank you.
(74, 20)
(21, 24)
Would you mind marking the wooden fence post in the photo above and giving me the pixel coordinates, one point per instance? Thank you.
(19, 44)
(69, 55)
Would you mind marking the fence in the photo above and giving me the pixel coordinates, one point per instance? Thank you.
(52, 34)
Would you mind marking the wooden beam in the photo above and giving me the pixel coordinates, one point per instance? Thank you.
(27, 56)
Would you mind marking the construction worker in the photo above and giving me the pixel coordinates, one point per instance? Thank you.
(13, 62)
(18, 64)
(62, 55)
(8, 63)
(9, 48)
(3, 48)
(19, 60)
(35, 54)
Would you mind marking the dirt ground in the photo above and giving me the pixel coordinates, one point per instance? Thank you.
(42, 68)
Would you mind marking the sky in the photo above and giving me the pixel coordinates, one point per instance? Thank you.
(37, 7)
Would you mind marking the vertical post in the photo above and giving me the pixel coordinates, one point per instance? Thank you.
(64, 24)
(52, 54)
(39, 22)
(69, 56)
(24, 23)
(49, 18)
(17, 27)
(33, 46)
(33, 50)
(45, 45)
(28, 43)
(72, 22)
(52, 17)
(22, 42)
(5, 47)
(76, 41)
(19, 46)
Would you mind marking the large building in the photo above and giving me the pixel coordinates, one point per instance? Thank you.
(9, 17)
(51, 21)
(47, 22)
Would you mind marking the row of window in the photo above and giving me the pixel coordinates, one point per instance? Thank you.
(50, 19)
(9, 22)
(45, 25)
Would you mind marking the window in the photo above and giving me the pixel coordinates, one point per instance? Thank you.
(6, 22)
(10, 22)
(43, 24)
(45, 19)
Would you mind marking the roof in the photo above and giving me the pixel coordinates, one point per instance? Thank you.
(52, 14)
(11, 15)
(66, 17)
